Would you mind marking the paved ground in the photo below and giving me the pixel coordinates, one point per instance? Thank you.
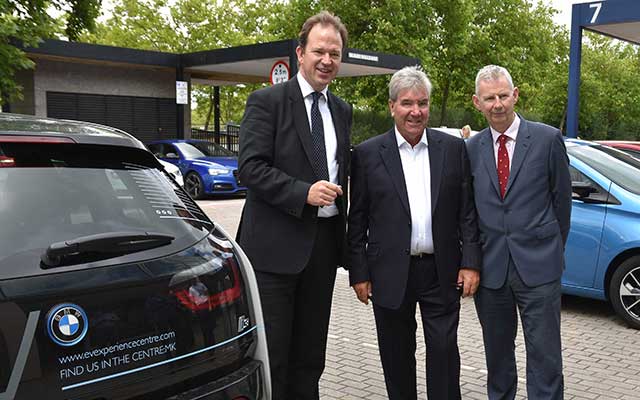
(601, 355)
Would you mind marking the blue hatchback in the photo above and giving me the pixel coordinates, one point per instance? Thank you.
(208, 168)
(603, 249)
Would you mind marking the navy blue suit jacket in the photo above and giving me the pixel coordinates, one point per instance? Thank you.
(379, 229)
(532, 222)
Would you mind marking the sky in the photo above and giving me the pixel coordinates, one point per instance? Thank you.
(564, 6)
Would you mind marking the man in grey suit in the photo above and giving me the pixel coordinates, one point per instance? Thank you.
(522, 192)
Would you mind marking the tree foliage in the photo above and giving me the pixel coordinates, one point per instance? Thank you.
(451, 38)
(27, 22)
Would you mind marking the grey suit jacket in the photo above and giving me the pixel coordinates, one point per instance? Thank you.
(532, 222)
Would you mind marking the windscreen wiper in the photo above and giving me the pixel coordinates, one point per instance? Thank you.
(101, 246)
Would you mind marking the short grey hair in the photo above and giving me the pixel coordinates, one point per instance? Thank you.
(492, 73)
(408, 78)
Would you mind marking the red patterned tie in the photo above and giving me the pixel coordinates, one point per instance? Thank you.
(503, 164)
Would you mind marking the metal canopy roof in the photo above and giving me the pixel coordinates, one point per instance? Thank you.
(619, 19)
(228, 66)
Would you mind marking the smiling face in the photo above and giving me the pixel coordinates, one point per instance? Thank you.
(320, 59)
(496, 99)
(410, 111)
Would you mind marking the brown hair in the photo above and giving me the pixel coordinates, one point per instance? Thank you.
(323, 18)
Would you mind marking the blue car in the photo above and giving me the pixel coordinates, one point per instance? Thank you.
(207, 168)
(603, 249)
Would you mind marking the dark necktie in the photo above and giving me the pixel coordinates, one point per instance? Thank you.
(317, 136)
(503, 164)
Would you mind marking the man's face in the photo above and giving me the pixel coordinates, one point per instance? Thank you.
(495, 100)
(320, 59)
(410, 111)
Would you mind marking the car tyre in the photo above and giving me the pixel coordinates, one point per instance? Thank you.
(194, 186)
(624, 291)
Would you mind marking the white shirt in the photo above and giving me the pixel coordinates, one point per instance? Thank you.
(510, 144)
(330, 140)
(417, 178)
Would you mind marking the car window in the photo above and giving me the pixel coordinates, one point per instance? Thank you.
(617, 166)
(597, 194)
(189, 151)
(212, 149)
(57, 192)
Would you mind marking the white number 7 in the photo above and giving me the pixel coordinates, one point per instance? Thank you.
(597, 6)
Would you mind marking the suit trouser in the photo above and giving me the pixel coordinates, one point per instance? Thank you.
(397, 337)
(539, 309)
(296, 311)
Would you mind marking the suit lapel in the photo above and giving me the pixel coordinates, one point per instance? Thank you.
(341, 135)
(523, 140)
(489, 158)
(300, 116)
(436, 166)
(391, 159)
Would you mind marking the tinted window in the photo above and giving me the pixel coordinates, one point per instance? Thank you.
(55, 192)
(621, 168)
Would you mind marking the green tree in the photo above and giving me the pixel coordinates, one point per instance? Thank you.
(192, 25)
(27, 22)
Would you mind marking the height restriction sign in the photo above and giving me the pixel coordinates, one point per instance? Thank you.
(279, 72)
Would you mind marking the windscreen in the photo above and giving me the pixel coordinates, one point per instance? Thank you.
(57, 192)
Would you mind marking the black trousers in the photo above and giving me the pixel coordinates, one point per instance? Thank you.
(296, 311)
(539, 309)
(397, 337)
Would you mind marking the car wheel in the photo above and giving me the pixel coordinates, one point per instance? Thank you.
(194, 186)
(624, 291)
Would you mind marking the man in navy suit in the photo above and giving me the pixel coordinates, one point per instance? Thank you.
(294, 158)
(413, 238)
(522, 192)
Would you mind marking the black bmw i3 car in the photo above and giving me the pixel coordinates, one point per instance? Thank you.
(113, 282)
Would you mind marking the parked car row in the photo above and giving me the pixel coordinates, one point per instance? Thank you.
(114, 284)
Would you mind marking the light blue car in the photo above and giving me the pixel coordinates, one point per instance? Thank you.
(603, 249)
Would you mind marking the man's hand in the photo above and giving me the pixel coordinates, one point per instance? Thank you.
(323, 193)
(363, 291)
(468, 280)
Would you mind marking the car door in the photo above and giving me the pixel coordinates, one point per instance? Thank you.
(588, 214)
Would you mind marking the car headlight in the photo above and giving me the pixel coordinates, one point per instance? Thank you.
(218, 171)
(177, 175)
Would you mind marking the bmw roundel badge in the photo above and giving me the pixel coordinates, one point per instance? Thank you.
(67, 324)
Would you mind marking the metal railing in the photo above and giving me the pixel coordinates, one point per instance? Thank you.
(227, 138)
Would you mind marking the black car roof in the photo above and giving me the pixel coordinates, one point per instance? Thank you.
(78, 131)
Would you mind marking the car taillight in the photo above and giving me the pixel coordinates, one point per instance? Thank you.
(7, 162)
(196, 296)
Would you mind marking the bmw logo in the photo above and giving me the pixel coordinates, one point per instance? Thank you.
(67, 324)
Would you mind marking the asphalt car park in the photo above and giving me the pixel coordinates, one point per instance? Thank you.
(114, 284)
(600, 350)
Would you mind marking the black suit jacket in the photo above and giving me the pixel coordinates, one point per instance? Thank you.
(379, 235)
(277, 228)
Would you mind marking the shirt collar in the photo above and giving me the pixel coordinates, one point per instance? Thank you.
(306, 88)
(511, 132)
(402, 141)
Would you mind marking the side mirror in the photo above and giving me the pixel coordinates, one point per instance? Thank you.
(582, 190)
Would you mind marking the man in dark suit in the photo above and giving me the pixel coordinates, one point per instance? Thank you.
(413, 238)
(294, 156)
(523, 196)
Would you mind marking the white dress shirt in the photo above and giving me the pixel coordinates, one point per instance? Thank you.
(417, 178)
(510, 144)
(330, 140)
